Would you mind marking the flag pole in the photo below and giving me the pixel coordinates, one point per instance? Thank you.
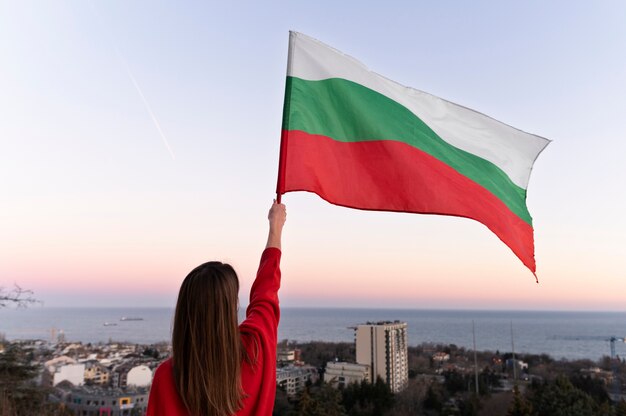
(282, 160)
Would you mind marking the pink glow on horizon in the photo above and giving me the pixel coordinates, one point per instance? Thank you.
(394, 277)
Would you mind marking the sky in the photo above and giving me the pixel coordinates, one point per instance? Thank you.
(140, 139)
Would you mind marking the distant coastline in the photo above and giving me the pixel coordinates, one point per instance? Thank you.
(361, 308)
(533, 330)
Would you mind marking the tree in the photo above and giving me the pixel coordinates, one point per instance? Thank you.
(320, 401)
(470, 406)
(19, 395)
(434, 398)
(367, 398)
(282, 405)
(16, 296)
(15, 374)
(620, 408)
(561, 398)
(151, 352)
(593, 387)
(306, 405)
(520, 406)
(330, 401)
(409, 401)
(488, 380)
(455, 381)
(318, 353)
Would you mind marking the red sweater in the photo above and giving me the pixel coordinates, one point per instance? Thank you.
(260, 325)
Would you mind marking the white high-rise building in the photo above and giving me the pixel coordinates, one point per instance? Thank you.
(383, 346)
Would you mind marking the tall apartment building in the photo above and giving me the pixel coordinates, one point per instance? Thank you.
(383, 347)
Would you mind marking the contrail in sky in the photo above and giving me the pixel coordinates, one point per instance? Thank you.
(145, 102)
(134, 81)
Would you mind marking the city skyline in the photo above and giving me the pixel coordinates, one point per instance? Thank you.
(142, 139)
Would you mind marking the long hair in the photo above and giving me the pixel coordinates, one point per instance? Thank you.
(206, 345)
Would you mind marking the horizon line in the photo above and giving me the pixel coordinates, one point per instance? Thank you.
(383, 308)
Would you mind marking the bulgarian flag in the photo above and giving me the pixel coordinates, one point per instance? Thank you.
(360, 140)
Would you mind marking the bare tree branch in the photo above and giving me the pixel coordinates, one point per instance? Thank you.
(17, 296)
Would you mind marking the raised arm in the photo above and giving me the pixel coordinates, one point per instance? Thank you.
(263, 312)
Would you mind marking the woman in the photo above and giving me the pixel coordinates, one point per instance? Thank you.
(218, 367)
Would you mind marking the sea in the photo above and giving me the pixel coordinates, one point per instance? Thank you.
(568, 335)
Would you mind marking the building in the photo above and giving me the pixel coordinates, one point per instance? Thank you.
(441, 357)
(383, 347)
(102, 402)
(96, 373)
(340, 374)
(288, 356)
(521, 365)
(292, 379)
(130, 373)
(139, 376)
(63, 369)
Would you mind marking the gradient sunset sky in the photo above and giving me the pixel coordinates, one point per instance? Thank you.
(139, 139)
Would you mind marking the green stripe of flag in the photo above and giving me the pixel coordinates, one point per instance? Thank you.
(349, 112)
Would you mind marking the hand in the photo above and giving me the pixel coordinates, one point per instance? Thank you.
(277, 217)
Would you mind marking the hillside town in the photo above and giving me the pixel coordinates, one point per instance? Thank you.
(114, 378)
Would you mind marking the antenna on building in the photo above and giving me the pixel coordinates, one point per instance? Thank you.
(475, 358)
(514, 360)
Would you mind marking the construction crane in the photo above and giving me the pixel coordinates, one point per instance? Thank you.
(610, 339)
(614, 358)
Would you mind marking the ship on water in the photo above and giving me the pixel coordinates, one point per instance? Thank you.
(130, 318)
